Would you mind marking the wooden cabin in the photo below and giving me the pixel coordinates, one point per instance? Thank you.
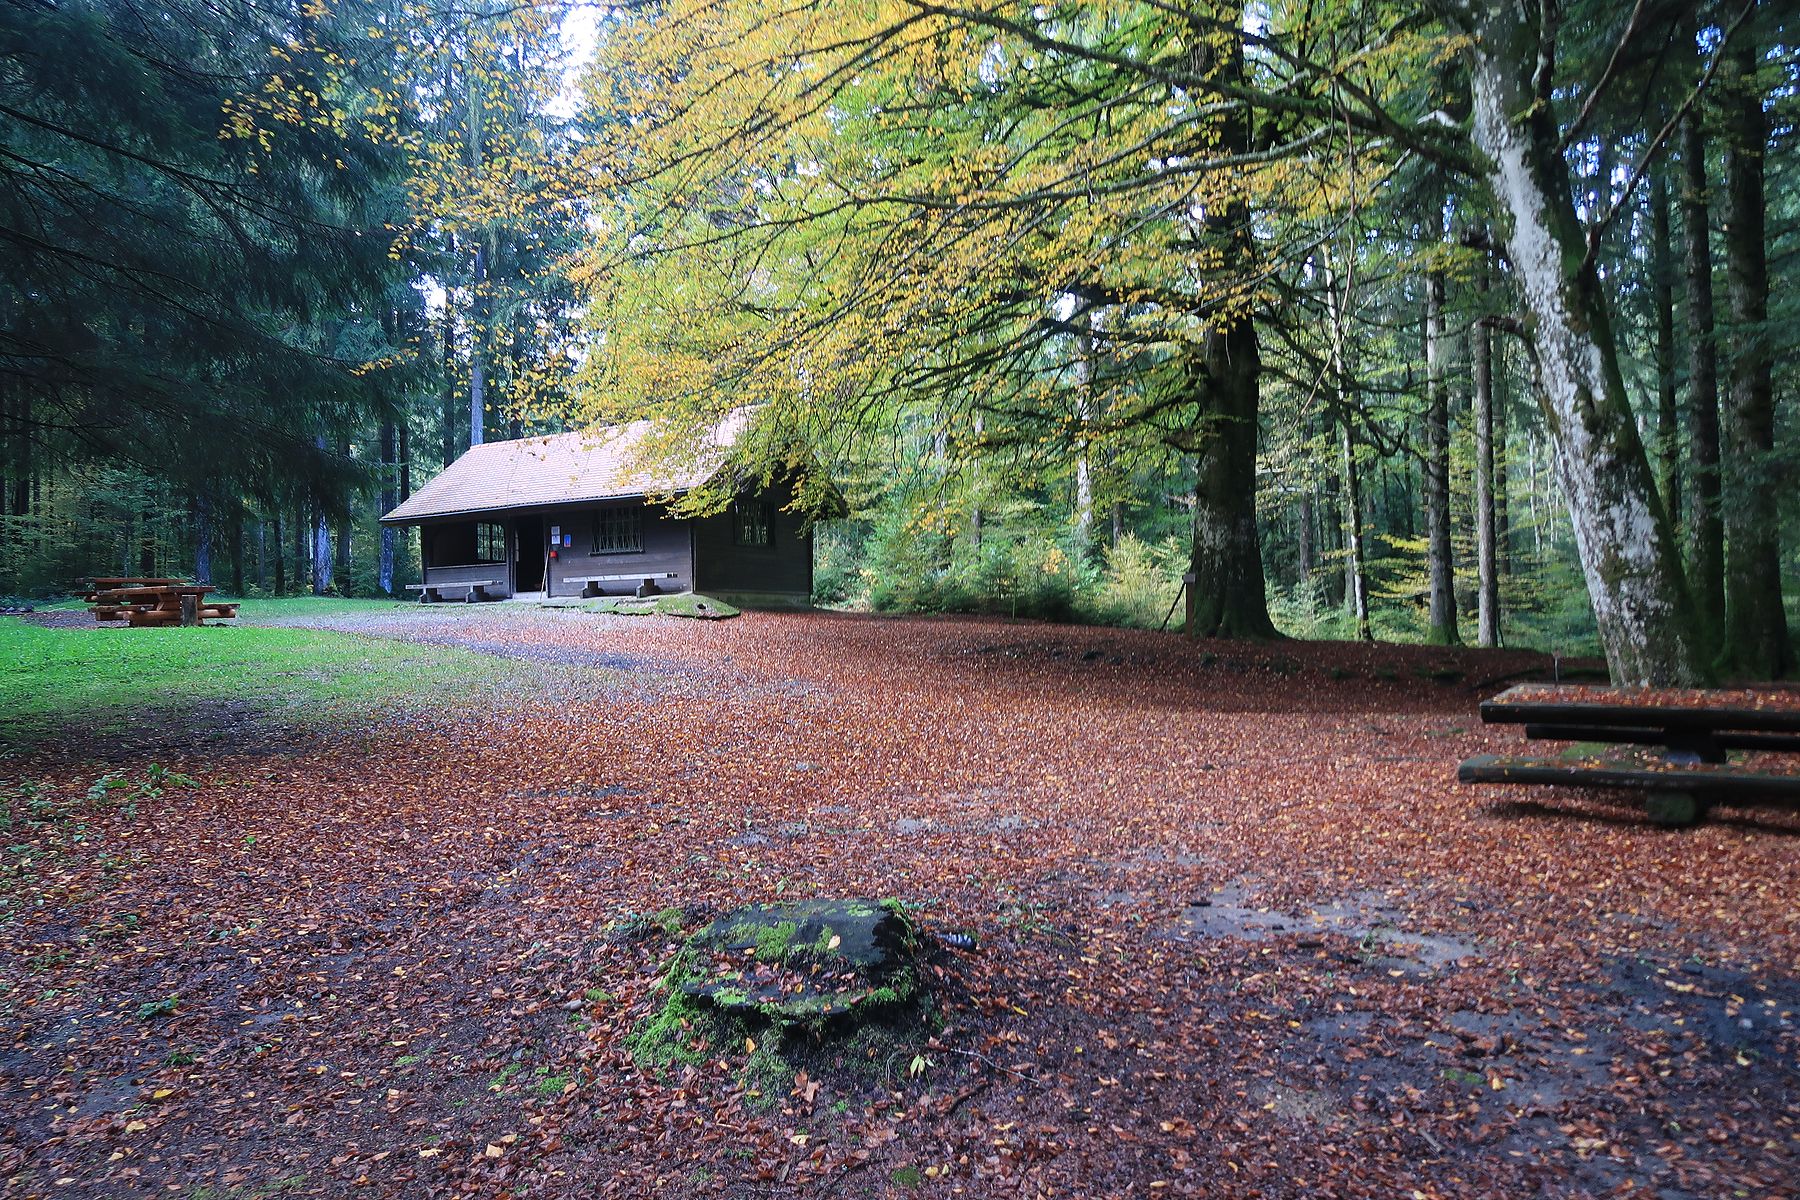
(575, 514)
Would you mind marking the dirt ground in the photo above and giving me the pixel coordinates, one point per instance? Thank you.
(1212, 920)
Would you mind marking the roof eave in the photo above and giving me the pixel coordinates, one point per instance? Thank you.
(508, 509)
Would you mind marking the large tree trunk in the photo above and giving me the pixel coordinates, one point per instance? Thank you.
(1487, 572)
(1706, 520)
(1229, 599)
(1662, 286)
(1756, 639)
(1440, 569)
(1627, 550)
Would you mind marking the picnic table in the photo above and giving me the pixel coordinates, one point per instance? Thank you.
(1690, 735)
(154, 601)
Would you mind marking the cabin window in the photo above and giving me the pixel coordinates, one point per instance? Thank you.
(752, 521)
(490, 543)
(619, 531)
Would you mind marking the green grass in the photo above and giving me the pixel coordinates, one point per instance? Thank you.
(104, 678)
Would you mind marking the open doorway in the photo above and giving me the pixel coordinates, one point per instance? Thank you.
(529, 548)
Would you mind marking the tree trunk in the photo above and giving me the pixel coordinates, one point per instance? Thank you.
(1622, 535)
(22, 468)
(1487, 632)
(147, 535)
(1230, 600)
(1706, 520)
(321, 542)
(384, 570)
(1229, 596)
(478, 348)
(1303, 544)
(280, 556)
(203, 538)
(1440, 625)
(1756, 638)
(1500, 376)
(1662, 283)
(321, 554)
(447, 387)
(237, 549)
(1356, 580)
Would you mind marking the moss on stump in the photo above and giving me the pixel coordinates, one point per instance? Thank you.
(784, 981)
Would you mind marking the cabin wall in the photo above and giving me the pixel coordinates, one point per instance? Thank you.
(445, 552)
(667, 547)
(779, 573)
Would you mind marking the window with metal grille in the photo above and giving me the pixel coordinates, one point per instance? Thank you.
(752, 521)
(619, 531)
(490, 543)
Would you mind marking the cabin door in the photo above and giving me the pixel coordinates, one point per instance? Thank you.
(529, 552)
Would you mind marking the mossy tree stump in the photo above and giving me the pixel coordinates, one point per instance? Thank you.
(777, 979)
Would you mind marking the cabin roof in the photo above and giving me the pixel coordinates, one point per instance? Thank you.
(563, 468)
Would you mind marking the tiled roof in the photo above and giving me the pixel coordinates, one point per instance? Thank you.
(565, 468)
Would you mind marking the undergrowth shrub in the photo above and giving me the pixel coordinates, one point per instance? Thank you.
(1138, 584)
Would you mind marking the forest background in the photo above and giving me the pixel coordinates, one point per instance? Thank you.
(1407, 321)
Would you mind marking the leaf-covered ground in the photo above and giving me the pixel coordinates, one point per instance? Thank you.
(1234, 931)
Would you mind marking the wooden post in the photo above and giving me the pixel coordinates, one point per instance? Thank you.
(190, 609)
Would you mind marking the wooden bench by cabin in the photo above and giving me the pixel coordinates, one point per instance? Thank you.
(432, 593)
(1693, 728)
(590, 584)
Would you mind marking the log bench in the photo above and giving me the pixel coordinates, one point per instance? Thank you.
(1677, 793)
(432, 593)
(590, 584)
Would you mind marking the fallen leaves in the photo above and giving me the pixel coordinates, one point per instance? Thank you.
(406, 985)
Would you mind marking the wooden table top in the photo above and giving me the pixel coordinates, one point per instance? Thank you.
(1774, 710)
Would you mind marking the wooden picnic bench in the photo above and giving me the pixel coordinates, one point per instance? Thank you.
(590, 584)
(433, 593)
(140, 601)
(1691, 732)
(87, 589)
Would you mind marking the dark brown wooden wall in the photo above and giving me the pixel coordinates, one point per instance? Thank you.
(782, 568)
(666, 548)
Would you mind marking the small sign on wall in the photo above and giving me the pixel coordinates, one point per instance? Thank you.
(568, 539)
(555, 534)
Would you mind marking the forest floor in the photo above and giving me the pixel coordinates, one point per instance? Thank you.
(1233, 928)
